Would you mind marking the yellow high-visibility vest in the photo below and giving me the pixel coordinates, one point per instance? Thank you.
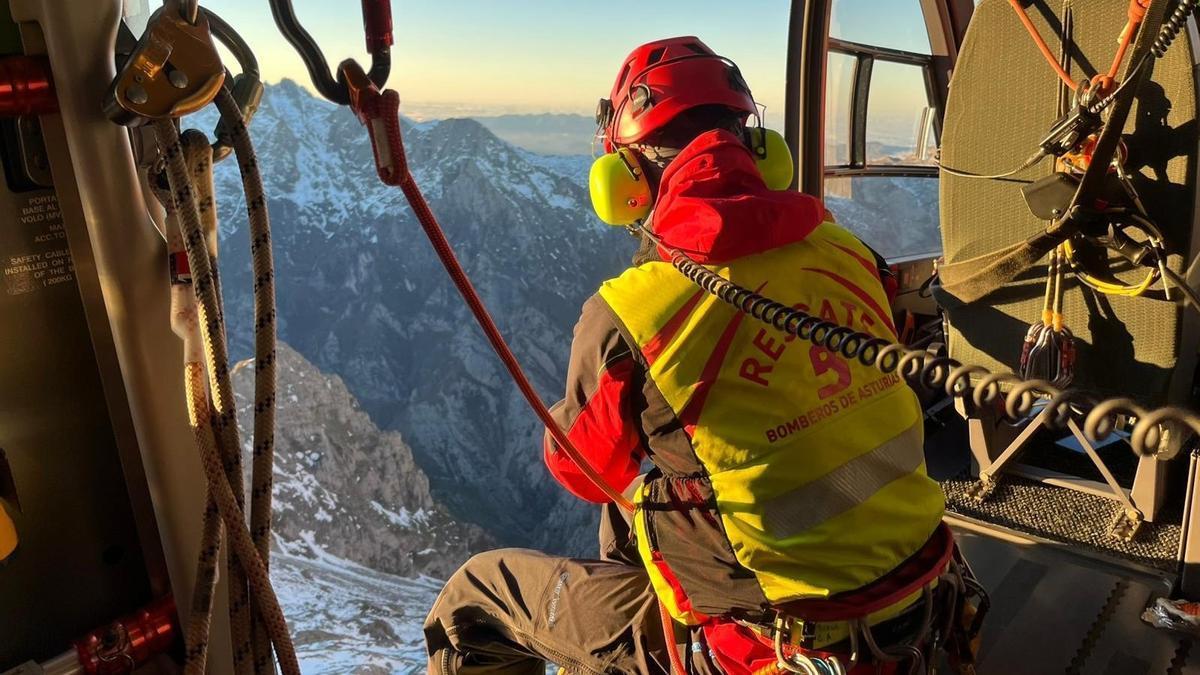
(815, 463)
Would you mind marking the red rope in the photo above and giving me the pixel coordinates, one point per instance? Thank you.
(380, 112)
(668, 623)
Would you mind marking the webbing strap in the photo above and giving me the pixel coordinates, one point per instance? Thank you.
(972, 279)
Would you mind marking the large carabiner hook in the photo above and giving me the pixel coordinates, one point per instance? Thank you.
(377, 25)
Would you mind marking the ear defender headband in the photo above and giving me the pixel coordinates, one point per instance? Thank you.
(621, 193)
(618, 185)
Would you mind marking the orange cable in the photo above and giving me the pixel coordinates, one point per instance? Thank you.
(1137, 12)
(1041, 45)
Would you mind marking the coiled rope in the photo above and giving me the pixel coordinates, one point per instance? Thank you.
(263, 449)
(933, 372)
(215, 426)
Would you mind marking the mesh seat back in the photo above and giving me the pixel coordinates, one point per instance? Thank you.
(1003, 100)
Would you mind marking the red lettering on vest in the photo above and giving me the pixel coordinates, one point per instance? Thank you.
(824, 361)
(849, 307)
(767, 345)
(868, 322)
(753, 371)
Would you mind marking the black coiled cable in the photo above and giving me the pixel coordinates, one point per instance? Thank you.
(1170, 30)
(933, 372)
(1172, 27)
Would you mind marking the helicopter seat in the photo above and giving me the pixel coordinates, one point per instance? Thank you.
(1003, 99)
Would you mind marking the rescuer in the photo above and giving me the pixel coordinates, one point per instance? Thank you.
(780, 469)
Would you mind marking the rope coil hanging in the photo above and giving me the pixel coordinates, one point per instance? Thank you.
(214, 425)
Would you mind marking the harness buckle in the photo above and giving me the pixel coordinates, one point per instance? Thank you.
(798, 661)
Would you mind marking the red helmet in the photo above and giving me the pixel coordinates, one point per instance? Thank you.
(662, 79)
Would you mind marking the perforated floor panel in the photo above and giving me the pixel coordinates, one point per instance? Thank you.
(1073, 518)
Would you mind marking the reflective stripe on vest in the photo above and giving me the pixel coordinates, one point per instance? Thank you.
(816, 462)
(845, 487)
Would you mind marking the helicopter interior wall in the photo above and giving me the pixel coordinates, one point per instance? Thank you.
(79, 561)
(89, 548)
(1003, 99)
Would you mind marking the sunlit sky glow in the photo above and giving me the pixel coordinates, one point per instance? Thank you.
(473, 57)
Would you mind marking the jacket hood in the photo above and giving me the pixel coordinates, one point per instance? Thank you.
(714, 206)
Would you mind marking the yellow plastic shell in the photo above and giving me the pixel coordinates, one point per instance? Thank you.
(8, 535)
(773, 158)
(620, 193)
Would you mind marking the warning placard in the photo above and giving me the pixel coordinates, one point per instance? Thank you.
(44, 259)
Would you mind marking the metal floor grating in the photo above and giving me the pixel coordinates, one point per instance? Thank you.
(1054, 612)
(1073, 518)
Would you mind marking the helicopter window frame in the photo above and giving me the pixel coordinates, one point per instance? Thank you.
(808, 36)
(865, 57)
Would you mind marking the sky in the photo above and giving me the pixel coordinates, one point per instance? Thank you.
(478, 57)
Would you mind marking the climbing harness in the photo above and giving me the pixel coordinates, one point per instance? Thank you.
(175, 70)
(949, 610)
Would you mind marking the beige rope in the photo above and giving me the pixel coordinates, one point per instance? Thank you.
(224, 414)
(263, 454)
(198, 157)
(185, 324)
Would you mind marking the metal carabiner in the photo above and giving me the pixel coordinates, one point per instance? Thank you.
(379, 112)
(799, 662)
(377, 26)
(246, 88)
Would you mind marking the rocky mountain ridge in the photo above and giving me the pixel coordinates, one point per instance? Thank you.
(361, 295)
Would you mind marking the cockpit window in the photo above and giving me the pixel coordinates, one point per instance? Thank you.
(881, 127)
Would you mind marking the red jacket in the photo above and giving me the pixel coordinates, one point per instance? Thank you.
(713, 205)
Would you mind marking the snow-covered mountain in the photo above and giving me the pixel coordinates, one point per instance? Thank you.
(345, 488)
(360, 543)
(362, 296)
(346, 619)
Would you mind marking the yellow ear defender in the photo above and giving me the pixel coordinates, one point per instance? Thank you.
(620, 191)
(772, 156)
(8, 535)
(621, 194)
